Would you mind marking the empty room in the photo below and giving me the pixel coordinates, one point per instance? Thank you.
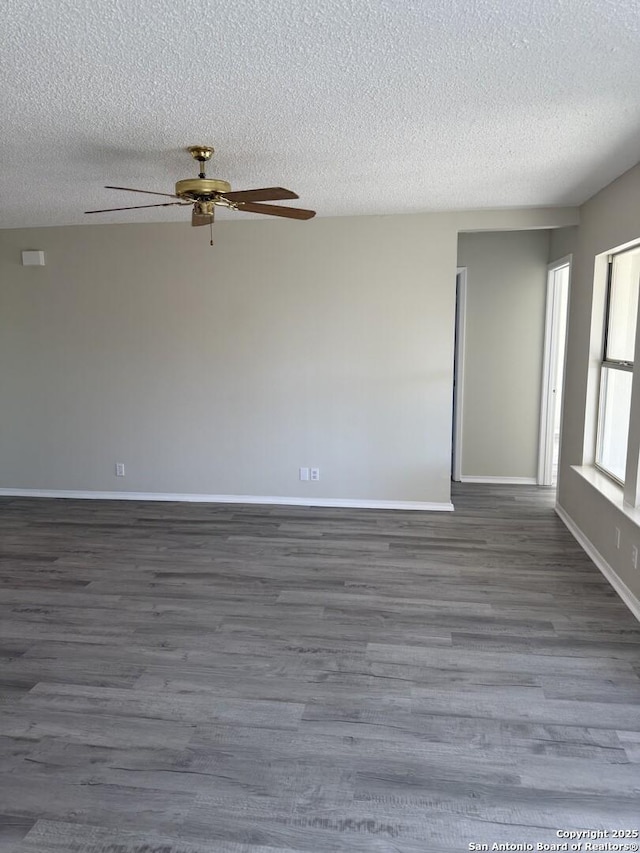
(319, 499)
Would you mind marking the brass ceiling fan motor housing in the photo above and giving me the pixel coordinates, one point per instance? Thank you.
(201, 189)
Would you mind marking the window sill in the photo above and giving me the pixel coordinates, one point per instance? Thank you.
(610, 490)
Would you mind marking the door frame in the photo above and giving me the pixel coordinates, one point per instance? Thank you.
(458, 372)
(551, 354)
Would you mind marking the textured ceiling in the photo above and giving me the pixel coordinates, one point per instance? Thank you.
(361, 106)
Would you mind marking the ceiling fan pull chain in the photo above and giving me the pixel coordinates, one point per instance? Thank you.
(211, 229)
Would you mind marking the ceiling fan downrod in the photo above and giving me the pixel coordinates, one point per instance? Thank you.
(201, 153)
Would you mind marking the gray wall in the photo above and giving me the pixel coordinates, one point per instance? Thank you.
(222, 370)
(608, 220)
(506, 292)
(562, 243)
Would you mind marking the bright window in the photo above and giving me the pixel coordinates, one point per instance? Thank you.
(617, 365)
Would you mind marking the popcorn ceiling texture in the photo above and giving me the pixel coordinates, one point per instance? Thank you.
(360, 106)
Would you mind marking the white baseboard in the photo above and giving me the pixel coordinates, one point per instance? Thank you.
(619, 585)
(502, 481)
(347, 503)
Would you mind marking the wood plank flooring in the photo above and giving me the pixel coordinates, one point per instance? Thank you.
(192, 678)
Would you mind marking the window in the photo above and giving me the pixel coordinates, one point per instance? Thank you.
(616, 372)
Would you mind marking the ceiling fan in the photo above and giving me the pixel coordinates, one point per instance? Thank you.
(204, 194)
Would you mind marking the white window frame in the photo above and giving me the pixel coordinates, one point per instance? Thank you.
(631, 483)
(608, 364)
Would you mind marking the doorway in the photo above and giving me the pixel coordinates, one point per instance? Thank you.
(558, 279)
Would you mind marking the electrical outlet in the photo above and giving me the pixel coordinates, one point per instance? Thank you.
(315, 474)
(634, 556)
(304, 473)
(617, 537)
(119, 469)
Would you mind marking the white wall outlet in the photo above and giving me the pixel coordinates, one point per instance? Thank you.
(315, 474)
(119, 469)
(617, 537)
(304, 473)
(634, 556)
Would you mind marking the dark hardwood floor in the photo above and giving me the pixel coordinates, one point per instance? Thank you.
(189, 678)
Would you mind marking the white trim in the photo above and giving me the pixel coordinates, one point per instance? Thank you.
(347, 503)
(619, 585)
(458, 379)
(552, 334)
(543, 444)
(560, 262)
(504, 481)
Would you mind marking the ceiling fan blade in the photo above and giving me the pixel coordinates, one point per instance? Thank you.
(147, 192)
(276, 210)
(137, 207)
(264, 194)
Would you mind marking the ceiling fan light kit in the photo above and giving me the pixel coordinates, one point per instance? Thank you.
(204, 194)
